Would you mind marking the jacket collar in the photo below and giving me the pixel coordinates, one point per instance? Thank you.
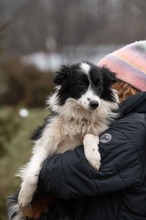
(135, 103)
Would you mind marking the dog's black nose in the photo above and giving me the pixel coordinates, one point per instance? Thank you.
(94, 104)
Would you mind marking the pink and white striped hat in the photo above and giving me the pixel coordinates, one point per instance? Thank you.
(129, 63)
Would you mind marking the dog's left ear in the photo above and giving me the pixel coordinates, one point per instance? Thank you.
(109, 75)
(62, 75)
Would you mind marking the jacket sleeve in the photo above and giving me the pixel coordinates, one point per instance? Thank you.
(70, 176)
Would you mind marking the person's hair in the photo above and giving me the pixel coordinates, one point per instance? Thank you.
(124, 90)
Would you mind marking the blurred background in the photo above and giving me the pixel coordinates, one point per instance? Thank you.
(36, 37)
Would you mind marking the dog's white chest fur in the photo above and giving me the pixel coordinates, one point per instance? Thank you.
(73, 133)
(62, 134)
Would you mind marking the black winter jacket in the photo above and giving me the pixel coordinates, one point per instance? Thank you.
(118, 190)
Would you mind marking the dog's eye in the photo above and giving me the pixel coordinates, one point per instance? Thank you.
(81, 85)
(98, 84)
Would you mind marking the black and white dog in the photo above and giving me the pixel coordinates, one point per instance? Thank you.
(84, 105)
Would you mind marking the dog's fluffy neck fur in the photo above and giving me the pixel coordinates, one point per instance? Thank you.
(72, 112)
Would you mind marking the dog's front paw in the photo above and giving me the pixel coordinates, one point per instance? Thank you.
(26, 194)
(94, 160)
(92, 154)
(90, 140)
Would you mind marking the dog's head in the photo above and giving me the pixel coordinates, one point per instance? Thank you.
(82, 86)
(85, 84)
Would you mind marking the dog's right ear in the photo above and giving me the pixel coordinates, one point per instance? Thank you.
(63, 75)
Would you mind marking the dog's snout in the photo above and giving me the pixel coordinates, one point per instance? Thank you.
(94, 104)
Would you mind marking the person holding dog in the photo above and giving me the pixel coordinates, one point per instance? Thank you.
(118, 190)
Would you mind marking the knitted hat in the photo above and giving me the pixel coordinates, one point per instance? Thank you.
(129, 63)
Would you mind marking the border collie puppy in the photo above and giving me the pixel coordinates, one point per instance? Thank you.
(84, 105)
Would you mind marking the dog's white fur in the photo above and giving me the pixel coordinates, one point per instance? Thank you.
(85, 67)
